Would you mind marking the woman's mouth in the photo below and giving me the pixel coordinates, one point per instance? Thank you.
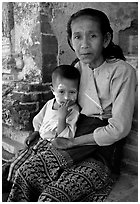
(85, 54)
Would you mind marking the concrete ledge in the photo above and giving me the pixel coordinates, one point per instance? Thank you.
(11, 146)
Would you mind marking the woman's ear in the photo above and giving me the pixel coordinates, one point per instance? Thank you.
(107, 39)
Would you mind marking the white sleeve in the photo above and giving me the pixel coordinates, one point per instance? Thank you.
(37, 120)
(123, 91)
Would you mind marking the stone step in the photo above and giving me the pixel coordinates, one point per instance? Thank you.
(129, 166)
(132, 138)
(130, 152)
(11, 146)
(125, 189)
(6, 156)
(15, 133)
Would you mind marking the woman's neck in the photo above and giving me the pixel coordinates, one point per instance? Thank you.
(97, 64)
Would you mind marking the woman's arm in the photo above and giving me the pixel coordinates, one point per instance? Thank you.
(122, 86)
(84, 140)
(66, 143)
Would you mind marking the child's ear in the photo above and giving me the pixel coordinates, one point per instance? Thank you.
(107, 39)
(52, 89)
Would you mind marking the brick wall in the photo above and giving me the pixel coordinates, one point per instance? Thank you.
(49, 44)
(34, 46)
(28, 100)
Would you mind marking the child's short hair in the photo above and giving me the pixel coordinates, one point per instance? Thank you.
(67, 72)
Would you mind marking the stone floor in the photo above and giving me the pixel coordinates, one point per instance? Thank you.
(125, 189)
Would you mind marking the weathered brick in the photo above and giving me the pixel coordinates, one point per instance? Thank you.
(22, 86)
(49, 44)
(31, 97)
(28, 106)
(41, 87)
(22, 118)
(47, 96)
(17, 95)
(25, 97)
(45, 25)
(49, 62)
(128, 38)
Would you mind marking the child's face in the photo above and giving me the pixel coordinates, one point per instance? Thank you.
(65, 90)
(87, 40)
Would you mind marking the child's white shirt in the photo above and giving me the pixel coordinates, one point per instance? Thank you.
(46, 122)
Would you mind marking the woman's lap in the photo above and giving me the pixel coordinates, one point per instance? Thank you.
(23, 156)
(76, 182)
(42, 175)
(39, 170)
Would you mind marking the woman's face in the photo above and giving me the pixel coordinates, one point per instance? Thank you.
(87, 40)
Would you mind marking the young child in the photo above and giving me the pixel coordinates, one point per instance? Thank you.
(59, 115)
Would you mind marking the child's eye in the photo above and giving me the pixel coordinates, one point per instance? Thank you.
(61, 91)
(73, 92)
(93, 36)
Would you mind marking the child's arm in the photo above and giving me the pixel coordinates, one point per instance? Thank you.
(62, 114)
(37, 120)
(67, 119)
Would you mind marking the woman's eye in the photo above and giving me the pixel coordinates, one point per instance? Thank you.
(76, 37)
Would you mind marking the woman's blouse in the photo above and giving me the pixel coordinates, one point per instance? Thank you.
(108, 92)
(46, 121)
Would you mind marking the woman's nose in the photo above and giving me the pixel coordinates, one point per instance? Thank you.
(85, 43)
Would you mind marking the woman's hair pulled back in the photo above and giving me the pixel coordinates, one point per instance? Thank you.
(112, 50)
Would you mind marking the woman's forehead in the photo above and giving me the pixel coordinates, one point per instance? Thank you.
(83, 22)
(85, 18)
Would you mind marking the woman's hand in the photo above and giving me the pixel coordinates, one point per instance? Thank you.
(32, 138)
(63, 143)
